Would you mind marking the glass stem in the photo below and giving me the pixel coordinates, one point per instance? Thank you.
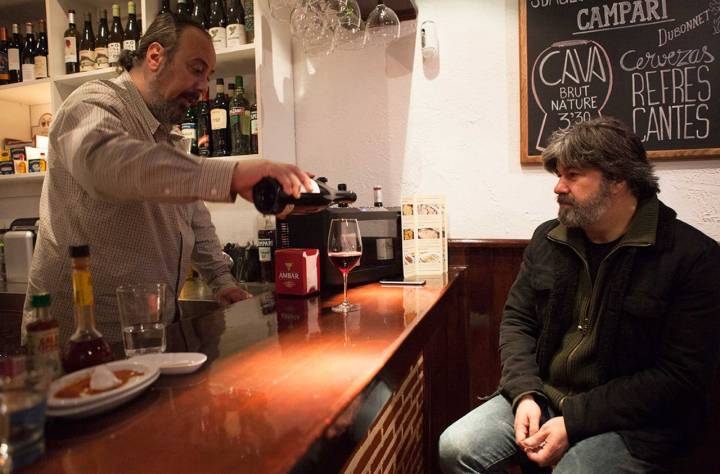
(345, 299)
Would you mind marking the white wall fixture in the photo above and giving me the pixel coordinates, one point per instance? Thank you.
(429, 39)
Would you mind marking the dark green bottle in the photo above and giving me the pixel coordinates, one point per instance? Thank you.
(203, 126)
(189, 128)
(238, 105)
(219, 121)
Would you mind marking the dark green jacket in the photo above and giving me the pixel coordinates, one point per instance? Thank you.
(656, 341)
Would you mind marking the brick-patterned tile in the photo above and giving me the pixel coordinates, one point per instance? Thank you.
(394, 442)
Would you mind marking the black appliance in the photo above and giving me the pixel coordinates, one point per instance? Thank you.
(382, 244)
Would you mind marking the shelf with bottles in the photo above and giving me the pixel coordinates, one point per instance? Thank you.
(23, 177)
(29, 93)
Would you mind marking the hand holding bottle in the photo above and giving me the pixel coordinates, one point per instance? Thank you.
(248, 173)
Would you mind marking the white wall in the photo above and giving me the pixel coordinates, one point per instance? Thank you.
(450, 127)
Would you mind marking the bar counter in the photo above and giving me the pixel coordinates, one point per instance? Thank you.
(290, 386)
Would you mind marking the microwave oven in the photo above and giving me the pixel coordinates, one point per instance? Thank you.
(381, 241)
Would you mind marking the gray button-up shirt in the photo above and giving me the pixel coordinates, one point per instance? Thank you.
(119, 182)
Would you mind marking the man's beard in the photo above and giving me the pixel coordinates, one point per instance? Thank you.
(167, 111)
(583, 215)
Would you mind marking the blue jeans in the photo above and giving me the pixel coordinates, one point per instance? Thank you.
(483, 441)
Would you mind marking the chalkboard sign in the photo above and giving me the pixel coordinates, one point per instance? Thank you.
(654, 64)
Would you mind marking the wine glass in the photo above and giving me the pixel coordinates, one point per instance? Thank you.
(344, 250)
(281, 9)
(382, 27)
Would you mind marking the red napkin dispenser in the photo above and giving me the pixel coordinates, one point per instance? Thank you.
(297, 271)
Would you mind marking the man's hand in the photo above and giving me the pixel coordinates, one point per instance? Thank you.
(527, 418)
(231, 294)
(248, 173)
(549, 444)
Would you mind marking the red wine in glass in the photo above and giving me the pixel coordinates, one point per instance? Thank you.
(344, 250)
(345, 261)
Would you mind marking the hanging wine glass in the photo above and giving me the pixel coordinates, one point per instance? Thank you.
(349, 32)
(310, 25)
(281, 9)
(350, 38)
(382, 26)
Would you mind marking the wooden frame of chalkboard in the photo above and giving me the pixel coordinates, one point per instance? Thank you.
(654, 64)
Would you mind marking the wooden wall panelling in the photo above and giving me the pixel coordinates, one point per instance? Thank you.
(492, 268)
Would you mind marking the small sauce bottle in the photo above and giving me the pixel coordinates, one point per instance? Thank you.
(43, 335)
(86, 346)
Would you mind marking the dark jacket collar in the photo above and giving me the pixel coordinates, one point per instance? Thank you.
(649, 226)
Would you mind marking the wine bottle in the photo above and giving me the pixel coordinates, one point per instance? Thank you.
(203, 126)
(41, 53)
(101, 43)
(200, 14)
(165, 7)
(250, 20)
(219, 121)
(28, 54)
(86, 346)
(218, 22)
(236, 34)
(4, 71)
(87, 46)
(254, 144)
(183, 9)
(14, 52)
(43, 335)
(131, 36)
(115, 38)
(189, 128)
(240, 141)
(72, 42)
(269, 198)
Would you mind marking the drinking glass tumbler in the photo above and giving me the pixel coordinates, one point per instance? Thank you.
(141, 313)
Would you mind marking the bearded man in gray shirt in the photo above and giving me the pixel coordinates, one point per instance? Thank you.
(120, 181)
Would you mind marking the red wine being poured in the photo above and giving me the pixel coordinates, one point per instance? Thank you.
(345, 261)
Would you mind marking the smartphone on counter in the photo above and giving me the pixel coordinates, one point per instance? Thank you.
(402, 282)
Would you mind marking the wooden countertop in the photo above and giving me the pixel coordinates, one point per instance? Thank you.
(279, 375)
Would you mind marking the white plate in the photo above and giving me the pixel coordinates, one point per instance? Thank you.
(104, 405)
(173, 362)
(148, 371)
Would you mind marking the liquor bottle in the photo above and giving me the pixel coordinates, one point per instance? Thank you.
(254, 146)
(115, 38)
(269, 198)
(266, 248)
(87, 46)
(101, 43)
(131, 36)
(183, 9)
(219, 121)
(72, 42)
(189, 128)
(86, 346)
(250, 20)
(28, 54)
(236, 34)
(218, 22)
(165, 7)
(200, 14)
(43, 335)
(377, 196)
(41, 53)
(240, 142)
(203, 126)
(4, 71)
